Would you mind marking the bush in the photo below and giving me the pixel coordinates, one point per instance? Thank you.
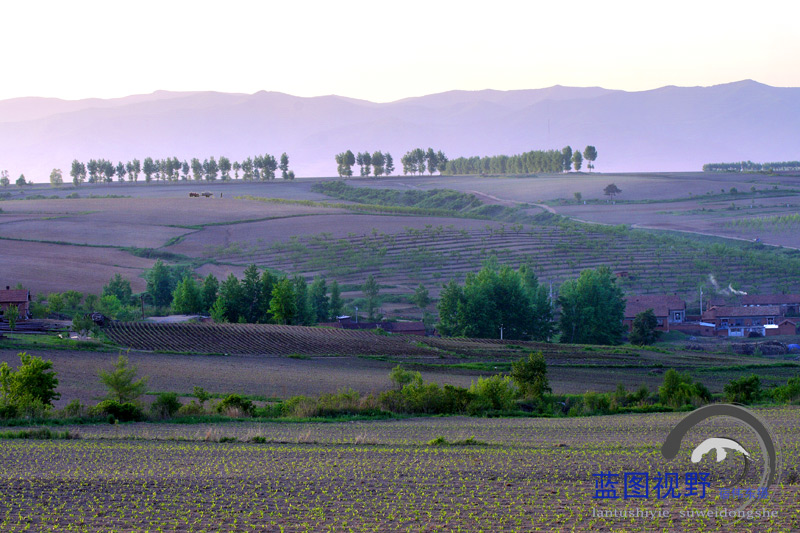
(191, 409)
(29, 390)
(124, 412)
(789, 392)
(496, 391)
(530, 375)
(743, 390)
(643, 330)
(120, 381)
(166, 405)
(679, 390)
(73, 409)
(234, 405)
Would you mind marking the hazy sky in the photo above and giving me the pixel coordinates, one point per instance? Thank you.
(383, 51)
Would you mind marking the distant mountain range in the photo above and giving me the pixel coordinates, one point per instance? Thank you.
(666, 129)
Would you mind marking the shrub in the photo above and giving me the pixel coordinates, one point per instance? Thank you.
(746, 389)
(233, 405)
(679, 390)
(643, 330)
(191, 409)
(497, 391)
(530, 375)
(29, 390)
(166, 405)
(789, 392)
(73, 409)
(124, 412)
(121, 381)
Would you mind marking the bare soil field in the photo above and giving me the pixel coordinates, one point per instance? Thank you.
(44, 268)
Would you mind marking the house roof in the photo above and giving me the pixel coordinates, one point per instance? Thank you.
(771, 299)
(14, 296)
(405, 326)
(724, 312)
(661, 304)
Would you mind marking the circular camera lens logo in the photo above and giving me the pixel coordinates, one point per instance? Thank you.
(762, 430)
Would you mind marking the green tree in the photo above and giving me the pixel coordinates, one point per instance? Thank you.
(530, 375)
(421, 297)
(283, 304)
(225, 167)
(378, 164)
(643, 330)
(320, 302)
(56, 177)
(268, 281)
(611, 189)
(746, 389)
(590, 154)
(121, 381)
(4, 181)
(33, 380)
(252, 295)
(679, 390)
(284, 166)
(451, 301)
(371, 289)
(232, 294)
(577, 160)
(21, 181)
(12, 315)
(197, 169)
(218, 311)
(159, 284)
(208, 293)
(304, 310)
(566, 158)
(210, 168)
(592, 309)
(121, 171)
(78, 172)
(149, 168)
(389, 164)
(433, 162)
(336, 303)
(187, 298)
(119, 287)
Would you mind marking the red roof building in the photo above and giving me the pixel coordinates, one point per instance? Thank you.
(668, 309)
(19, 297)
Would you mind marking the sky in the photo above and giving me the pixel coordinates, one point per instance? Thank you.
(384, 50)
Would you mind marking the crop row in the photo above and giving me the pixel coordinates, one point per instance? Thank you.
(258, 339)
(555, 253)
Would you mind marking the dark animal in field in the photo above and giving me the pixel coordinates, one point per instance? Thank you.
(194, 195)
(207, 194)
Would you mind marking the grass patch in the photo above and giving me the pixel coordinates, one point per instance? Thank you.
(470, 441)
(39, 434)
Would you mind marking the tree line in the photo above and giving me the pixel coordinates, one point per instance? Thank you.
(511, 303)
(261, 167)
(749, 166)
(376, 163)
(532, 162)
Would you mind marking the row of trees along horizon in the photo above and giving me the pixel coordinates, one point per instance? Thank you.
(264, 167)
(495, 301)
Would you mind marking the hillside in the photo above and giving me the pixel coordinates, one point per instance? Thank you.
(667, 129)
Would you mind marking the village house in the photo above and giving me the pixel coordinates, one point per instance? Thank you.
(669, 309)
(406, 328)
(742, 321)
(789, 304)
(19, 297)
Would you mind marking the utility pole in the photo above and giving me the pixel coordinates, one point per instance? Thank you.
(701, 303)
(501, 331)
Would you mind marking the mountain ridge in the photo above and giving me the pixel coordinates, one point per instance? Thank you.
(665, 129)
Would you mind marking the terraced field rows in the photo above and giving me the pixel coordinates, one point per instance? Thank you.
(435, 255)
(260, 339)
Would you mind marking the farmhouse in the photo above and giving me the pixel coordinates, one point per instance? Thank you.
(789, 304)
(741, 321)
(19, 297)
(406, 328)
(669, 309)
